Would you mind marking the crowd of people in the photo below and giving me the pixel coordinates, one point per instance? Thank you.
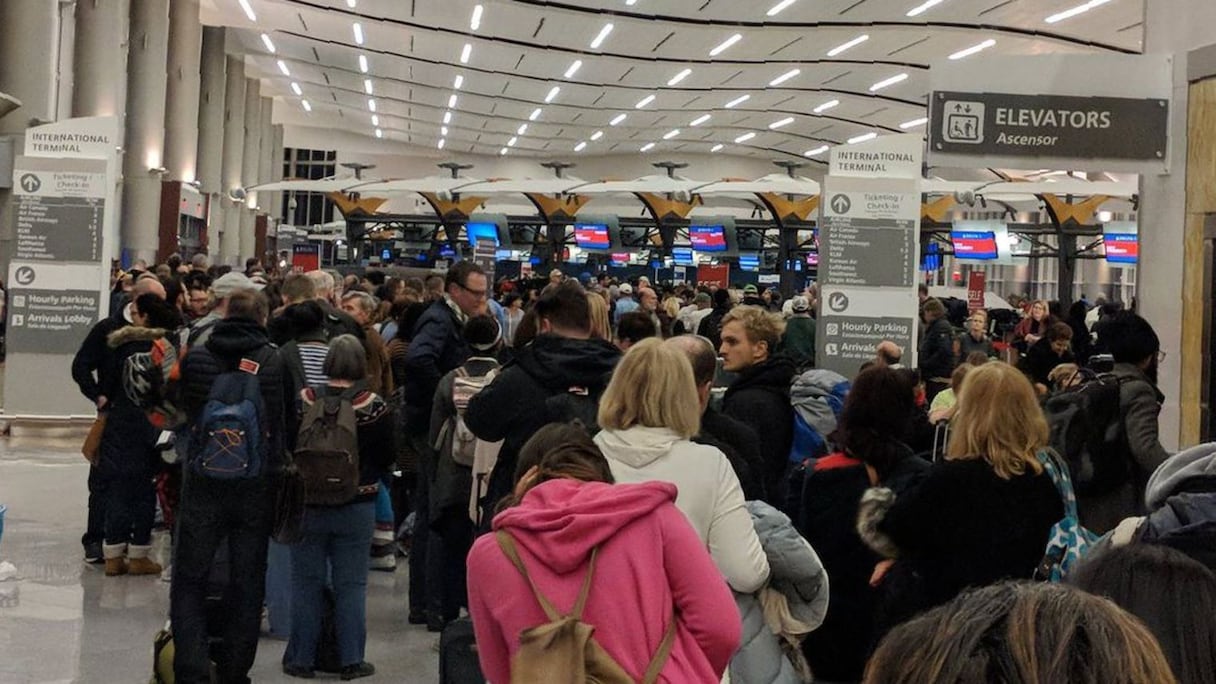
(621, 468)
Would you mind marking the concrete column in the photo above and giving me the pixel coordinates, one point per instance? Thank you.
(266, 157)
(145, 130)
(251, 161)
(100, 58)
(212, 79)
(276, 170)
(234, 150)
(1170, 27)
(182, 91)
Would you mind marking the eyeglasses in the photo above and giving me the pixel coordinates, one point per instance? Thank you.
(479, 294)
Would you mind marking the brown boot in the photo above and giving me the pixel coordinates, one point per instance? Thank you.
(140, 564)
(116, 562)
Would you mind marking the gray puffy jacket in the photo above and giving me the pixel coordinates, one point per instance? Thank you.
(799, 576)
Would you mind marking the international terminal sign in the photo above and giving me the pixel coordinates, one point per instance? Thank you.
(1011, 125)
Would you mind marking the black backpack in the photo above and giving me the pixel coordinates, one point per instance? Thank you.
(577, 402)
(1087, 431)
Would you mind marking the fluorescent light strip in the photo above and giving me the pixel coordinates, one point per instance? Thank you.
(379, 133)
(784, 77)
(921, 8)
(371, 105)
(295, 88)
(376, 120)
(644, 101)
(552, 94)
(523, 128)
(367, 86)
(307, 107)
(671, 134)
(512, 141)
(1079, 9)
(475, 22)
(363, 63)
(574, 67)
(973, 49)
(700, 120)
(851, 44)
(744, 138)
(357, 28)
(597, 135)
(443, 130)
(738, 101)
(717, 147)
(248, 10)
(452, 101)
(826, 106)
(447, 117)
(580, 147)
(442, 142)
(779, 7)
(647, 147)
(679, 77)
(888, 82)
(914, 123)
(603, 34)
(862, 138)
(466, 53)
(351, 3)
(268, 43)
(782, 123)
(817, 151)
(725, 45)
(283, 68)
(535, 114)
(503, 152)
(459, 82)
(616, 119)
(631, 2)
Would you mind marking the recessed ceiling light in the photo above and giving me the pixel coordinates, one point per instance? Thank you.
(363, 63)
(375, 120)
(443, 130)
(616, 119)
(447, 117)
(442, 142)
(644, 101)
(631, 2)
(700, 120)
(599, 38)
(973, 49)
(379, 133)
(573, 68)
(826, 106)
(459, 82)
(914, 123)
(597, 135)
(503, 151)
(777, 9)
(647, 147)
(845, 46)
(1079, 9)
(475, 22)
(717, 147)
(725, 45)
(738, 101)
(785, 77)
(523, 128)
(862, 138)
(580, 147)
(552, 94)
(295, 88)
(921, 8)
(512, 141)
(371, 105)
(679, 77)
(283, 68)
(351, 3)
(465, 53)
(744, 138)
(307, 107)
(535, 114)
(367, 86)
(248, 10)
(671, 134)
(358, 30)
(452, 101)
(888, 82)
(781, 123)
(268, 43)
(817, 151)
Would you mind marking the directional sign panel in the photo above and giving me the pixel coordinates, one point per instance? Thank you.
(60, 209)
(852, 322)
(51, 306)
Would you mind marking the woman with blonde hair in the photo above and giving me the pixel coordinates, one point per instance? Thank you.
(982, 515)
(648, 415)
(601, 326)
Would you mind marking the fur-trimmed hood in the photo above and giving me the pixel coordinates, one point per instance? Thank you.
(874, 506)
(134, 333)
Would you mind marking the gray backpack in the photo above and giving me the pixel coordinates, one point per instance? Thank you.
(327, 450)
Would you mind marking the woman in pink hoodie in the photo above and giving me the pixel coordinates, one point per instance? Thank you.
(650, 562)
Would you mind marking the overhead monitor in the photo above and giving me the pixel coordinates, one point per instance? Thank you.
(707, 238)
(386, 254)
(504, 254)
(932, 258)
(592, 236)
(683, 256)
(812, 259)
(974, 245)
(749, 262)
(488, 227)
(621, 258)
(1122, 248)
(481, 231)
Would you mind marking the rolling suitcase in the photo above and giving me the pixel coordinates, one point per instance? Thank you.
(458, 662)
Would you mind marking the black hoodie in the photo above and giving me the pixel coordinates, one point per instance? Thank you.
(760, 398)
(512, 407)
(232, 340)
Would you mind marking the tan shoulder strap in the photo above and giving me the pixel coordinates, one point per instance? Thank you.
(507, 544)
(664, 652)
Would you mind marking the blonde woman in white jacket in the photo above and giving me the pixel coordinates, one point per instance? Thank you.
(647, 416)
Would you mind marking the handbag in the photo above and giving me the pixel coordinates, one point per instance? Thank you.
(1068, 541)
(92, 441)
(289, 507)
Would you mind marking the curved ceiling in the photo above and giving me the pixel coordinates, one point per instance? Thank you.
(547, 78)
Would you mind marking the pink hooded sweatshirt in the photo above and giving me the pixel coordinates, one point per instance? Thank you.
(650, 561)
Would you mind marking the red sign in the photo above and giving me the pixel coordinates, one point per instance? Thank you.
(305, 258)
(719, 274)
(975, 291)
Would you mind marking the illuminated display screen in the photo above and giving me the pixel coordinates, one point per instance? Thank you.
(482, 231)
(707, 238)
(592, 236)
(1122, 248)
(974, 244)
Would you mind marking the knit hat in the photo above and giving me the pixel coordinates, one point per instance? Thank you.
(750, 289)
(801, 304)
(232, 281)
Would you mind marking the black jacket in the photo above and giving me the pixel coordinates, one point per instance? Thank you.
(512, 408)
(1040, 360)
(968, 345)
(129, 440)
(711, 326)
(760, 399)
(438, 346)
(230, 342)
(336, 322)
(937, 350)
(96, 356)
(741, 446)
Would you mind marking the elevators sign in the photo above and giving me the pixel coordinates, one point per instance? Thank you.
(60, 208)
(51, 306)
(1009, 125)
(852, 322)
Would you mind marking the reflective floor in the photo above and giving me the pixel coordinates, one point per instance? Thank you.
(64, 621)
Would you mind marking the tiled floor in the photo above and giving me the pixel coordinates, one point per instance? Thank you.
(63, 621)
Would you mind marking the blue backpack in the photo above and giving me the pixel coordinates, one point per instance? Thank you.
(230, 442)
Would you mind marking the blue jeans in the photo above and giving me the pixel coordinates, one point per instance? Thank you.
(335, 544)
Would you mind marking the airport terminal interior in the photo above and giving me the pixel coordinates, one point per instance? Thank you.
(908, 183)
